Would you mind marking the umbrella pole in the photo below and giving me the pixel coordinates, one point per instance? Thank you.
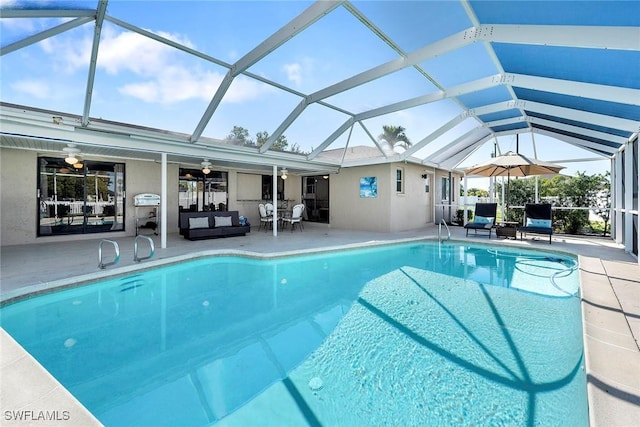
(506, 205)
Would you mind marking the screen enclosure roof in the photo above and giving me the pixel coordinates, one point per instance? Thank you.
(300, 84)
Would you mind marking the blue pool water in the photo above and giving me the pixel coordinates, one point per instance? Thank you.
(411, 334)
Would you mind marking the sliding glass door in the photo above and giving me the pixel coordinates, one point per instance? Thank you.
(87, 197)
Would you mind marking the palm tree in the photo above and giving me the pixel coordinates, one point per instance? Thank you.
(394, 135)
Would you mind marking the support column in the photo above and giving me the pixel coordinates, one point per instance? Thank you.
(628, 198)
(274, 194)
(618, 192)
(163, 203)
(464, 201)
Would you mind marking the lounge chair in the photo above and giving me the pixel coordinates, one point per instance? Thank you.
(484, 218)
(537, 220)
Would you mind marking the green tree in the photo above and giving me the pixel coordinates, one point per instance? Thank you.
(517, 193)
(240, 136)
(395, 136)
(603, 199)
(477, 192)
(281, 144)
(577, 191)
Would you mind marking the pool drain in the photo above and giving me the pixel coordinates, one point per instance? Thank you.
(315, 383)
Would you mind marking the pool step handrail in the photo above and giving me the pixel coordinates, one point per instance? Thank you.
(101, 264)
(152, 248)
(442, 221)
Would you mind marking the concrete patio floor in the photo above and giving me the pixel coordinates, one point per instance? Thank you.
(610, 280)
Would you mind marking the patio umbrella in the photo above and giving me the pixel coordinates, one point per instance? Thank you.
(513, 164)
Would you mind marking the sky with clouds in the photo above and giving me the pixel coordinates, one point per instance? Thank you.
(139, 80)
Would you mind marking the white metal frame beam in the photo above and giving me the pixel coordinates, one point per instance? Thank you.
(590, 37)
(44, 34)
(583, 90)
(100, 13)
(313, 13)
(598, 149)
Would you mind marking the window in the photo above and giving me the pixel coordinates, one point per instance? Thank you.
(87, 197)
(267, 187)
(445, 189)
(399, 181)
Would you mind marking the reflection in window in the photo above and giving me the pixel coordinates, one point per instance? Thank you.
(87, 197)
(199, 192)
(267, 187)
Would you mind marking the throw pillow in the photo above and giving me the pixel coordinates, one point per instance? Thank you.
(198, 222)
(223, 221)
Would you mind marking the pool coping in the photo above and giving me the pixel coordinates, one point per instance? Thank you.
(612, 396)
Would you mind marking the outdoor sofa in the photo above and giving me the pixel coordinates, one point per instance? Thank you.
(211, 224)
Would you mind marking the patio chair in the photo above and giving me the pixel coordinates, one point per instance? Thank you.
(537, 220)
(484, 218)
(264, 217)
(296, 217)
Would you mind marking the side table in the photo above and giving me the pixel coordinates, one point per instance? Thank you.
(506, 229)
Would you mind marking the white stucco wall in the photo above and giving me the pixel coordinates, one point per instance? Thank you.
(347, 210)
(413, 208)
(18, 203)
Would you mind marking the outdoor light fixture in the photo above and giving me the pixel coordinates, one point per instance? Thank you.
(325, 176)
(78, 164)
(284, 173)
(205, 167)
(72, 154)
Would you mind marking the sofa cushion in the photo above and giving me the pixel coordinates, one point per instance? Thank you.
(223, 221)
(533, 222)
(483, 219)
(198, 222)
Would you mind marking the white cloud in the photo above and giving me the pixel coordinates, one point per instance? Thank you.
(36, 88)
(140, 67)
(128, 51)
(294, 73)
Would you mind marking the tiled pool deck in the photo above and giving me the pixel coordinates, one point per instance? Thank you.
(610, 302)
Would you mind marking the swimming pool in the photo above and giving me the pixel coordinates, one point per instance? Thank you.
(411, 334)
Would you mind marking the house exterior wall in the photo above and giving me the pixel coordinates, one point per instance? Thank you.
(390, 211)
(18, 203)
(347, 210)
(413, 208)
(18, 207)
(146, 177)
